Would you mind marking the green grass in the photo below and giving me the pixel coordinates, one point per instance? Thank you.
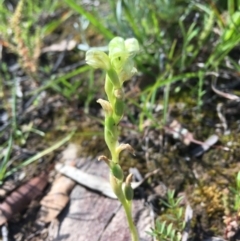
(193, 37)
(32, 31)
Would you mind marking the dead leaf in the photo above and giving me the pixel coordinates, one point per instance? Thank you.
(205, 146)
(179, 132)
(21, 197)
(91, 181)
(225, 95)
(61, 46)
(58, 196)
(70, 154)
(56, 199)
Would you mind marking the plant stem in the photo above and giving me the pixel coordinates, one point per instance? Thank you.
(127, 205)
(133, 230)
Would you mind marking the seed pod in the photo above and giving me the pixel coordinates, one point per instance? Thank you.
(119, 107)
(110, 123)
(110, 133)
(117, 171)
(128, 192)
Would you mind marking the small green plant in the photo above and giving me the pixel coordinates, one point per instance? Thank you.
(171, 224)
(165, 232)
(119, 67)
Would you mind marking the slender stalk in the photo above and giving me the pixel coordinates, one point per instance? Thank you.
(127, 205)
(132, 228)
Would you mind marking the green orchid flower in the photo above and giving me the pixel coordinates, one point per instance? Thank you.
(121, 55)
(98, 59)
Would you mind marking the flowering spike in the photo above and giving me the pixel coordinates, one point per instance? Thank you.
(119, 66)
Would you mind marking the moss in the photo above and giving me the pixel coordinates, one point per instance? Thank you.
(209, 197)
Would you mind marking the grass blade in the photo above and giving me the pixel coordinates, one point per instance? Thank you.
(41, 154)
(93, 20)
(3, 165)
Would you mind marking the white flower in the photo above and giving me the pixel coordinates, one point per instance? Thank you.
(97, 59)
(132, 46)
(121, 55)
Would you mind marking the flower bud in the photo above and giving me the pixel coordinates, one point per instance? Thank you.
(116, 171)
(97, 59)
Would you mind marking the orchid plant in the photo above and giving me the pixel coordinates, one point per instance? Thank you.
(119, 67)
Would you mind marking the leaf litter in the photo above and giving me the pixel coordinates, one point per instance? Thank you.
(22, 196)
(56, 199)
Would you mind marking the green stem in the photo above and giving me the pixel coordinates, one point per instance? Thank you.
(117, 188)
(133, 230)
(115, 157)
